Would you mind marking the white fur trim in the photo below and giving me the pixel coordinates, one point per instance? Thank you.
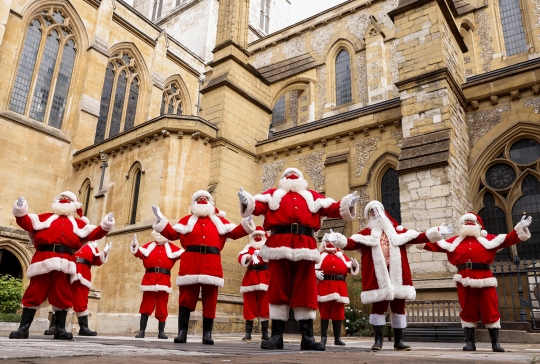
(279, 312)
(69, 194)
(199, 279)
(313, 205)
(220, 226)
(347, 211)
(244, 262)
(157, 237)
(85, 219)
(522, 233)
(106, 224)
(398, 321)
(48, 265)
(80, 278)
(249, 227)
(304, 313)
(81, 314)
(54, 308)
(334, 297)
(255, 287)
(342, 257)
(377, 320)
(433, 234)
(476, 283)
(494, 325)
(404, 292)
(40, 225)
(321, 259)
(159, 225)
(377, 295)
(295, 170)
(261, 319)
(103, 257)
(290, 254)
(32, 307)
(399, 228)
(370, 205)
(146, 251)
(156, 288)
(465, 324)
(20, 211)
(488, 244)
(172, 255)
(467, 216)
(248, 209)
(200, 193)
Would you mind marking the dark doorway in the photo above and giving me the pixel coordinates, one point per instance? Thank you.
(9, 264)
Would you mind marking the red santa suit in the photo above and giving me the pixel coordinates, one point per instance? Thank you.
(159, 257)
(472, 252)
(255, 281)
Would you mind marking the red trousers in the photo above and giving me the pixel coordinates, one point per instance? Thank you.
(157, 300)
(53, 285)
(79, 293)
(478, 304)
(332, 310)
(292, 283)
(256, 305)
(189, 295)
(397, 305)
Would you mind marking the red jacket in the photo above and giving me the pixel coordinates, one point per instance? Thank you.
(155, 255)
(212, 231)
(91, 253)
(332, 290)
(253, 280)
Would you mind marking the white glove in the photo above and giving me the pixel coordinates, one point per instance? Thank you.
(354, 263)
(107, 247)
(320, 275)
(526, 221)
(242, 196)
(134, 243)
(354, 199)
(256, 253)
(20, 201)
(331, 237)
(110, 217)
(249, 218)
(254, 257)
(157, 213)
(444, 230)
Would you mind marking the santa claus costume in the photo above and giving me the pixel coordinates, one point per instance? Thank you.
(81, 283)
(56, 236)
(203, 235)
(255, 283)
(331, 272)
(386, 275)
(159, 257)
(472, 251)
(293, 213)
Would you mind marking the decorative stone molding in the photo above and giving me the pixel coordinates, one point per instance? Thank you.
(275, 155)
(158, 80)
(294, 47)
(311, 145)
(293, 107)
(363, 151)
(398, 135)
(271, 173)
(286, 151)
(533, 102)
(323, 142)
(314, 166)
(338, 139)
(180, 135)
(351, 135)
(321, 91)
(90, 105)
(479, 123)
(263, 59)
(362, 79)
(366, 131)
(536, 88)
(485, 39)
(381, 128)
(298, 149)
(494, 100)
(474, 105)
(321, 38)
(515, 95)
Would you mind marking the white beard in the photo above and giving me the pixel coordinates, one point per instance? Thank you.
(158, 238)
(202, 210)
(293, 185)
(256, 244)
(67, 209)
(470, 230)
(382, 223)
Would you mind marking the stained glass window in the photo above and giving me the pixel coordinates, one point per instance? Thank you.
(278, 113)
(87, 199)
(343, 78)
(390, 194)
(525, 151)
(132, 104)
(494, 220)
(529, 205)
(105, 103)
(512, 25)
(500, 176)
(62, 85)
(135, 200)
(172, 100)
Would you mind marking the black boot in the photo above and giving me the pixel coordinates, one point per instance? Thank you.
(336, 325)
(26, 320)
(183, 324)
(494, 335)
(308, 342)
(142, 329)
(61, 333)
(161, 331)
(249, 329)
(207, 324)
(398, 341)
(83, 327)
(276, 340)
(264, 329)
(324, 329)
(378, 330)
(52, 329)
(471, 338)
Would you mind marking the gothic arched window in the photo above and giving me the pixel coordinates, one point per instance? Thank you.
(171, 102)
(512, 26)
(134, 209)
(494, 220)
(45, 69)
(390, 194)
(529, 205)
(278, 112)
(343, 78)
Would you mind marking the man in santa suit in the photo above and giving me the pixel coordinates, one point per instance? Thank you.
(386, 275)
(472, 251)
(158, 258)
(255, 283)
(293, 213)
(56, 236)
(331, 272)
(85, 258)
(203, 235)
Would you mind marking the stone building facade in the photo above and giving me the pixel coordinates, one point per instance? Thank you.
(431, 106)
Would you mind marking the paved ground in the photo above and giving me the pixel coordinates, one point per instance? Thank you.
(230, 348)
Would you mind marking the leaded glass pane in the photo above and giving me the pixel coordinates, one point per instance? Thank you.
(500, 176)
(170, 108)
(278, 113)
(163, 101)
(179, 108)
(160, 7)
(135, 202)
(44, 78)
(132, 105)
(494, 220)
(62, 85)
(261, 23)
(525, 151)
(118, 106)
(529, 205)
(512, 25)
(58, 17)
(21, 89)
(343, 78)
(105, 103)
(87, 200)
(390, 194)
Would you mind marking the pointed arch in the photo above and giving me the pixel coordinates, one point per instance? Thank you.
(339, 75)
(188, 108)
(85, 195)
(132, 205)
(20, 250)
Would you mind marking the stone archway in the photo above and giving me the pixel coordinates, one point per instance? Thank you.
(16, 256)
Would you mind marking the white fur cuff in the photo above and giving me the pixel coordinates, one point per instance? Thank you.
(103, 257)
(399, 321)
(494, 325)
(476, 283)
(304, 313)
(20, 211)
(245, 211)
(249, 227)
(81, 314)
(433, 234)
(347, 211)
(465, 324)
(341, 241)
(522, 233)
(279, 312)
(377, 320)
(106, 224)
(159, 225)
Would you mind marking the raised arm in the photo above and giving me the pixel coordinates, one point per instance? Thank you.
(520, 233)
(20, 211)
(162, 226)
(245, 228)
(134, 247)
(249, 205)
(346, 208)
(105, 226)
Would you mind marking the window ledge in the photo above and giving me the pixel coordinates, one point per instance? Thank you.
(35, 125)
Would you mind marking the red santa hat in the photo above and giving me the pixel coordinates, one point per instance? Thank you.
(71, 196)
(200, 193)
(259, 230)
(476, 218)
(378, 205)
(294, 170)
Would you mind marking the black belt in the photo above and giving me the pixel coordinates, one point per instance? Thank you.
(334, 277)
(293, 229)
(158, 270)
(258, 267)
(471, 265)
(56, 248)
(84, 261)
(203, 249)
